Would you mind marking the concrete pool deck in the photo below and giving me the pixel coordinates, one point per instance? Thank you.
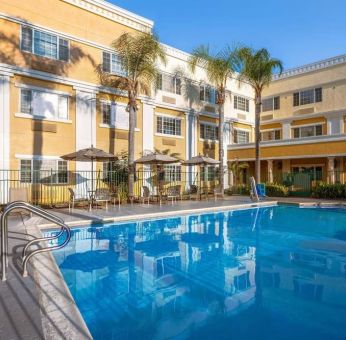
(41, 306)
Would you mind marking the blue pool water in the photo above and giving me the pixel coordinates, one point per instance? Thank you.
(264, 273)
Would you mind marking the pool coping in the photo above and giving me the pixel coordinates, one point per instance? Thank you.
(179, 212)
(61, 319)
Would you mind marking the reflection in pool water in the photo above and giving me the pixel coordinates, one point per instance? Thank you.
(268, 273)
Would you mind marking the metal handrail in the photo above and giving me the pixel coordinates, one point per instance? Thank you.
(26, 257)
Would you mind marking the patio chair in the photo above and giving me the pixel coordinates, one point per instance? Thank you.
(194, 192)
(174, 192)
(115, 195)
(73, 200)
(102, 195)
(218, 193)
(145, 194)
(19, 194)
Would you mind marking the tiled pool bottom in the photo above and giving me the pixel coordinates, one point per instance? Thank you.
(263, 273)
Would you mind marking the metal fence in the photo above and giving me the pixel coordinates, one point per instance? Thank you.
(51, 188)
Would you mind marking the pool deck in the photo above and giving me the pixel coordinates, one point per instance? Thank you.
(41, 306)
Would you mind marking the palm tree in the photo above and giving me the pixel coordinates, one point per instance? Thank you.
(138, 54)
(219, 67)
(256, 68)
(236, 169)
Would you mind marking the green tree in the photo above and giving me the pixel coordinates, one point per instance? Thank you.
(236, 168)
(139, 55)
(256, 68)
(219, 68)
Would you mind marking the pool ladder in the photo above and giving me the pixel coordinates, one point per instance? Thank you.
(26, 253)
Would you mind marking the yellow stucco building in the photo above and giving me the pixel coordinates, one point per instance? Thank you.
(51, 101)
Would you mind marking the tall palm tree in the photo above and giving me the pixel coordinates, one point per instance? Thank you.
(256, 68)
(138, 54)
(219, 67)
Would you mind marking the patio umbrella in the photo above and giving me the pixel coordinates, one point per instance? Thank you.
(90, 155)
(157, 159)
(200, 160)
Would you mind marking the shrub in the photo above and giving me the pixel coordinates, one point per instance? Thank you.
(324, 190)
(276, 190)
(239, 190)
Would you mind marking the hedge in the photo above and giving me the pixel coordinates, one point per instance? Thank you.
(276, 190)
(324, 190)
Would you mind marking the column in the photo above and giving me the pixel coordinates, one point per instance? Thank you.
(191, 140)
(85, 136)
(226, 142)
(148, 127)
(4, 136)
(270, 176)
(331, 170)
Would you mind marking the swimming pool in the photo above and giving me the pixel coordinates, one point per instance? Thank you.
(263, 273)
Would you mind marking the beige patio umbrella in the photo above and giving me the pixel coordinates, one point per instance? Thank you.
(90, 155)
(201, 161)
(156, 159)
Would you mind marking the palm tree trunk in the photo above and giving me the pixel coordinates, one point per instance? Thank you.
(257, 138)
(221, 152)
(131, 144)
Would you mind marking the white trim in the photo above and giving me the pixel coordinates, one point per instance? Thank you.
(309, 124)
(273, 129)
(33, 117)
(204, 122)
(290, 157)
(116, 127)
(208, 140)
(169, 136)
(42, 89)
(114, 13)
(159, 114)
(293, 141)
(242, 129)
(319, 65)
(38, 157)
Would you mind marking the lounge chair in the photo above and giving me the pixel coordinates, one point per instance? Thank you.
(194, 192)
(174, 193)
(73, 200)
(102, 196)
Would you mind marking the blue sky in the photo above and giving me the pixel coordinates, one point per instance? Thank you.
(296, 31)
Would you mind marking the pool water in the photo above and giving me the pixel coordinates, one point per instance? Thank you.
(264, 273)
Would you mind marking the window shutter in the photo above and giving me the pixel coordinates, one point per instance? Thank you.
(201, 93)
(296, 99)
(63, 49)
(318, 95)
(63, 107)
(276, 103)
(201, 131)
(177, 85)
(159, 81)
(26, 41)
(26, 101)
(159, 124)
(216, 132)
(235, 102)
(113, 113)
(247, 105)
(106, 62)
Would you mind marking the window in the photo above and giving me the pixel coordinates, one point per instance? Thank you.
(271, 135)
(43, 171)
(307, 131)
(207, 94)
(44, 44)
(241, 103)
(168, 126)
(111, 63)
(241, 136)
(307, 96)
(115, 114)
(208, 131)
(169, 83)
(209, 173)
(44, 104)
(270, 104)
(172, 173)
